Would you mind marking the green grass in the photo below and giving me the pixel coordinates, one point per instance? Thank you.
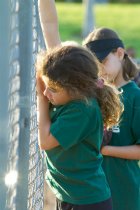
(121, 17)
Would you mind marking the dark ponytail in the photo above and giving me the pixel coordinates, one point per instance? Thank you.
(130, 69)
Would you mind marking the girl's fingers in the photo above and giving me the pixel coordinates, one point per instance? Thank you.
(40, 85)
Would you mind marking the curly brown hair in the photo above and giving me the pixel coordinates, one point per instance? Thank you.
(76, 70)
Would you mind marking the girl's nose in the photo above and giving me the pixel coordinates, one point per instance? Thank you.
(47, 93)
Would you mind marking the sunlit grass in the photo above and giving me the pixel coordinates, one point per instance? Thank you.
(70, 20)
(121, 17)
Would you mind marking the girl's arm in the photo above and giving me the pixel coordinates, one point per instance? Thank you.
(49, 23)
(45, 139)
(126, 152)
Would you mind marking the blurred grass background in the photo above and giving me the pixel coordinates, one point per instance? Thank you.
(121, 17)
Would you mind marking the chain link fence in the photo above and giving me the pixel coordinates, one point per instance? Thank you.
(22, 169)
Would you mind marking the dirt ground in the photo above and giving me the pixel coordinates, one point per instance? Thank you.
(49, 198)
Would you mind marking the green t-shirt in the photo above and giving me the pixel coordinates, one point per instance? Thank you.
(74, 167)
(124, 175)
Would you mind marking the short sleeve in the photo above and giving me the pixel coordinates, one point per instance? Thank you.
(136, 120)
(70, 127)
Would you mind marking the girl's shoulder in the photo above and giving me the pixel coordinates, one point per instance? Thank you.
(135, 91)
(131, 94)
(130, 88)
(88, 107)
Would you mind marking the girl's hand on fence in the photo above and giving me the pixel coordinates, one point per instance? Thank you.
(40, 86)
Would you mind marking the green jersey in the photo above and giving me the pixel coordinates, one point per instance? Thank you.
(74, 167)
(124, 175)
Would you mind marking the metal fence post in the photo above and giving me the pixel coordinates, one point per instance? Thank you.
(4, 37)
(25, 59)
(89, 17)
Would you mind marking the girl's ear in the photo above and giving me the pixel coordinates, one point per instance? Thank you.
(120, 53)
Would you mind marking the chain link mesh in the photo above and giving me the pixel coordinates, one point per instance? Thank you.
(36, 172)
